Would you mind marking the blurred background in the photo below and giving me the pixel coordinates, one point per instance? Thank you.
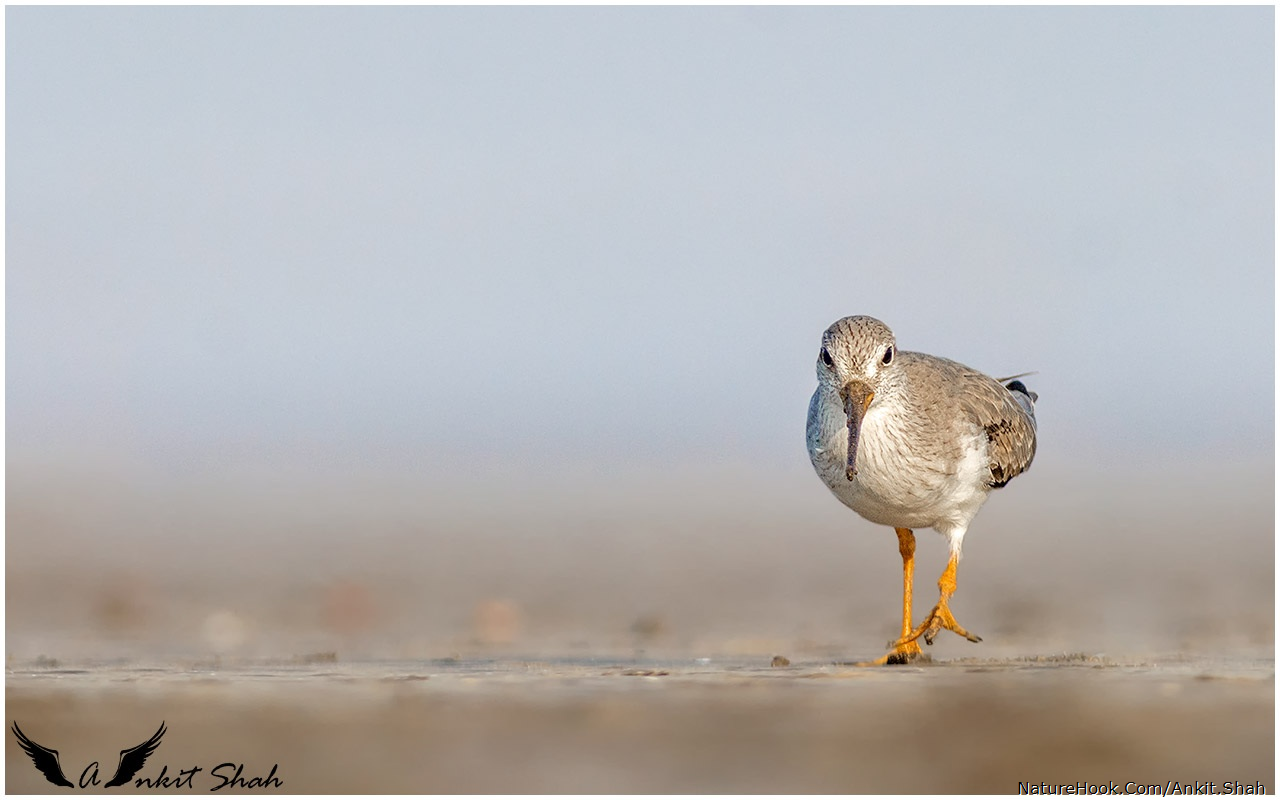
(418, 332)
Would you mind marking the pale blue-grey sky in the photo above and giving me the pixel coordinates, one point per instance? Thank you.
(293, 237)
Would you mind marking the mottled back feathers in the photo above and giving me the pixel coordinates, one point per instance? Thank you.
(1005, 413)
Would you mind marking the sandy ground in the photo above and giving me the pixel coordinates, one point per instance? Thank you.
(396, 634)
(654, 725)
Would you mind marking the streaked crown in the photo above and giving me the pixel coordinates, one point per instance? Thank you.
(856, 347)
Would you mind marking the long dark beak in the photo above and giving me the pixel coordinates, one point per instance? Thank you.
(857, 397)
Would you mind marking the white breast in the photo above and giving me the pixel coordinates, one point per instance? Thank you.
(897, 487)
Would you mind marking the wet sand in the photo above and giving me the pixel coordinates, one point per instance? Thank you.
(655, 725)
(397, 636)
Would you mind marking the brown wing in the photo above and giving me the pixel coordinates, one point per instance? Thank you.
(1010, 428)
(1006, 415)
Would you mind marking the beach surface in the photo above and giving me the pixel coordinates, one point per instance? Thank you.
(659, 725)
(686, 634)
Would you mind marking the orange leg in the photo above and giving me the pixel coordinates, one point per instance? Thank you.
(940, 617)
(906, 649)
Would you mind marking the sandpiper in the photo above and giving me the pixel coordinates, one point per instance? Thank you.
(914, 441)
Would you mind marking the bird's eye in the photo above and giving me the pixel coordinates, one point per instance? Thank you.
(888, 355)
(826, 358)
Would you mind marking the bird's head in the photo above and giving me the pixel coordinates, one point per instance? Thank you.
(857, 358)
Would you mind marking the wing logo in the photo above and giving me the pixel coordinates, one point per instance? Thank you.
(46, 759)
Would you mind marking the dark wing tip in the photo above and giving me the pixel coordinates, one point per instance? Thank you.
(1021, 388)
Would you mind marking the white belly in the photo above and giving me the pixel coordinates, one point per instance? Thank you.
(900, 488)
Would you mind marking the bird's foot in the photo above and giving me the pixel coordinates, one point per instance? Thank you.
(938, 619)
(906, 653)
